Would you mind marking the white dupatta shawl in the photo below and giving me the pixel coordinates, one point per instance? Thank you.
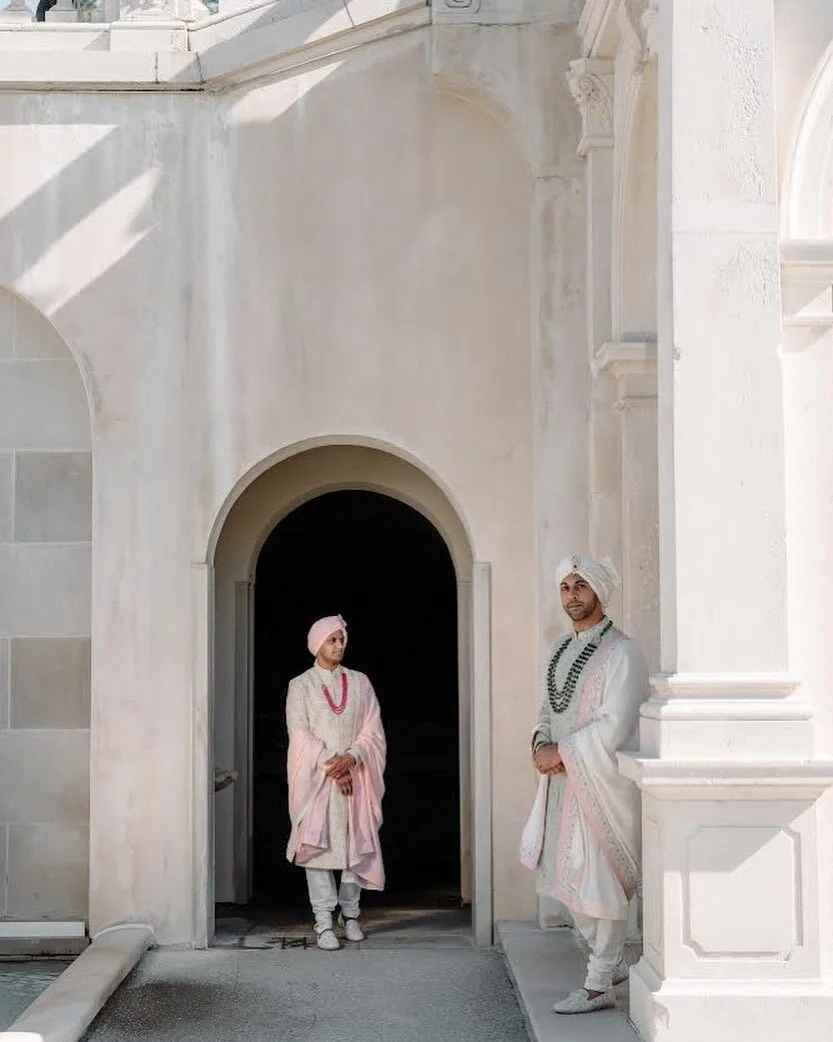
(601, 809)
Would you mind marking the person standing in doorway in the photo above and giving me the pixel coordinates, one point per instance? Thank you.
(336, 765)
(583, 835)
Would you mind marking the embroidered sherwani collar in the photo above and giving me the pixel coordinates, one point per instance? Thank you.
(593, 633)
(328, 676)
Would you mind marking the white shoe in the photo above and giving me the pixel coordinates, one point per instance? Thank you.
(621, 972)
(352, 930)
(580, 1002)
(327, 941)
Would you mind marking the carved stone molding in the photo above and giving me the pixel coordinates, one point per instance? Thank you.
(633, 365)
(591, 84)
(649, 21)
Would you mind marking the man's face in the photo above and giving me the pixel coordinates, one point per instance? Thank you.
(331, 651)
(578, 599)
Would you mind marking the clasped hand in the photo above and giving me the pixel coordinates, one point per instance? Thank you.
(338, 769)
(547, 760)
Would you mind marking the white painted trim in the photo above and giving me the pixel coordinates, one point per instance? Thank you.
(42, 930)
(481, 673)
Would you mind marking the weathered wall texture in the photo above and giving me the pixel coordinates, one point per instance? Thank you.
(45, 530)
(354, 252)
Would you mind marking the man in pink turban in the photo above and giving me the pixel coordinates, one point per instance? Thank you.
(336, 765)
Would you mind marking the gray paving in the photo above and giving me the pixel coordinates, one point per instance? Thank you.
(22, 982)
(303, 995)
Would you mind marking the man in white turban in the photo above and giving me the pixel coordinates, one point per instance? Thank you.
(583, 836)
(336, 765)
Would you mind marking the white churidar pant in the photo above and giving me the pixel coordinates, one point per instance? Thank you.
(324, 898)
(606, 939)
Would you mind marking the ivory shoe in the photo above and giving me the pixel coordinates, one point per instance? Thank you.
(327, 941)
(580, 1002)
(621, 972)
(352, 930)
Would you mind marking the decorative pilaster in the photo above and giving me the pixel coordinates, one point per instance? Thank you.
(632, 367)
(731, 906)
(591, 85)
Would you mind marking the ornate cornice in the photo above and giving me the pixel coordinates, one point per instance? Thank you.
(591, 84)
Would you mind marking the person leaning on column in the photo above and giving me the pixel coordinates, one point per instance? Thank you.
(336, 766)
(583, 836)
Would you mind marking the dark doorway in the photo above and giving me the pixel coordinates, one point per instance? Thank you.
(386, 569)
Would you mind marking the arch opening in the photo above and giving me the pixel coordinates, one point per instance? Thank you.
(403, 553)
(385, 568)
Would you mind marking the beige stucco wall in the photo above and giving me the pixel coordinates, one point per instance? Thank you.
(45, 510)
(351, 252)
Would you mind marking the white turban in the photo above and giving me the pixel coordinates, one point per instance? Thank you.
(600, 575)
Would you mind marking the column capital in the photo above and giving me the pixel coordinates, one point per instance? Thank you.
(590, 81)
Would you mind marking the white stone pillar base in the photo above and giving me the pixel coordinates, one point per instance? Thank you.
(731, 946)
(729, 1010)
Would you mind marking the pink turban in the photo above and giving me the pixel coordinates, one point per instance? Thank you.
(325, 628)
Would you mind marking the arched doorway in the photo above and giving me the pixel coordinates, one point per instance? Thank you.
(259, 505)
(386, 569)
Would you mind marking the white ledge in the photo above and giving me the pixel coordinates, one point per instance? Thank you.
(723, 685)
(727, 779)
(626, 358)
(260, 40)
(64, 1011)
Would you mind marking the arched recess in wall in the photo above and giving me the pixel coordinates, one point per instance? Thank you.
(45, 586)
(807, 191)
(266, 496)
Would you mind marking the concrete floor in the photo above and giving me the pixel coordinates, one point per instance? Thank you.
(386, 927)
(22, 982)
(305, 995)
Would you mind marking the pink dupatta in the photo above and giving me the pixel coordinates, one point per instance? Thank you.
(309, 794)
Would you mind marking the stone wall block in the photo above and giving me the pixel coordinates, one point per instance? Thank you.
(47, 870)
(4, 683)
(44, 776)
(53, 497)
(50, 682)
(6, 494)
(7, 310)
(45, 589)
(3, 874)
(43, 406)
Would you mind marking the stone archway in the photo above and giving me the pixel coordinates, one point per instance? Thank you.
(259, 507)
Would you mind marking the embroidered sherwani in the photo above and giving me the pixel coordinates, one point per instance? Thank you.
(330, 830)
(587, 849)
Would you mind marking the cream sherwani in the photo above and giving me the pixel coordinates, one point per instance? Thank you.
(584, 834)
(307, 709)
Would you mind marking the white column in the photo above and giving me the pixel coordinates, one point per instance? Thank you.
(731, 937)
(591, 85)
